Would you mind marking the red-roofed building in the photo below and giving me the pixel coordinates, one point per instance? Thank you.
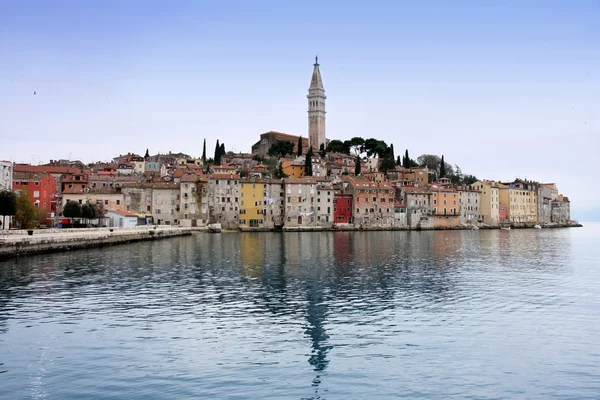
(40, 187)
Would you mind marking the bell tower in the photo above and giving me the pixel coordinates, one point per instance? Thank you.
(316, 109)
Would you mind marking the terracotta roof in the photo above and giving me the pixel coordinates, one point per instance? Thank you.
(225, 176)
(45, 168)
(123, 213)
(304, 179)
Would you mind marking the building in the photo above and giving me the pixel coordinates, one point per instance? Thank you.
(6, 173)
(316, 109)
(300, 202)
(224, 200)
(252, 206)
(273, 201)
(373, 202)
(267, 139)
(545, 196)
(325, 204)
(40, 187)
(490, 201)
(194, 202)
(109, 198)
(293, 168)
(446, 206)
(520, 199)
(561, 210)
(470, 206)
(418, 206)
(121, 219)
(166, 204)
(342, 208)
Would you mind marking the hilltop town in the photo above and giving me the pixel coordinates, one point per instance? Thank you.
(285, 181)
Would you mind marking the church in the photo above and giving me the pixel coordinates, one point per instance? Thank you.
(316, 120)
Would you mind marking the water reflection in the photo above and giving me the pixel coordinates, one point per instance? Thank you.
(236, 308)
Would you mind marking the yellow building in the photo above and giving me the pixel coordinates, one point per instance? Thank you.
(293, 169)
(520, 199)
(139, 167)
(251, 204)
(490, 201)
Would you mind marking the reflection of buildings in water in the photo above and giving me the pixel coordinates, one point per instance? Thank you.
(252, 254)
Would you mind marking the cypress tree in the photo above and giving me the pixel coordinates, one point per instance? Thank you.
(147, 155)
(204, 151)
(442, 168)
(398, 162)
(217, 158)
(357, 166)
(308, 162)
(221, 151)
(299, 146)
(391, 152)
(405, 161)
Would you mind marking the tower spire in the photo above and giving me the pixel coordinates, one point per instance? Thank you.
(316, 109)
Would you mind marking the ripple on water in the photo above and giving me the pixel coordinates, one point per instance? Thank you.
(483, 315)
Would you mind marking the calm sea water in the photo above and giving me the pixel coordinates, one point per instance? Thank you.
(374, 315)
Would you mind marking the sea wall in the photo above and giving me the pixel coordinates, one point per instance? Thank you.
(47, 242)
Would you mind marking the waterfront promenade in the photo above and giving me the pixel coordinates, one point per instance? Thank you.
(19, 242)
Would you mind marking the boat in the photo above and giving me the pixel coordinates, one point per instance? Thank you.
(537, 227)
(505, 228)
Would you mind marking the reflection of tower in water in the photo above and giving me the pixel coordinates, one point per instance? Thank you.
(316, 313)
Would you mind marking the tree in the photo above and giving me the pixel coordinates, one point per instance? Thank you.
(408, 162)
(322, 150)
(222, 151)
(355, 145)
(469, 179)
(391, 152)
(398, 162)
(442, 167)
(335, 146)
(279, 174)
(386, 164)
(357, 166)
(299, 146)
(72, 210)
(147, 155)
(431, 161)
(308, 162)
(204, 152)
(26, 213)
(88, 212)
(217, 157)
(281, 148)
(8, 204)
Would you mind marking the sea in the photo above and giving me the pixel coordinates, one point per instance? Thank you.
(487, 314)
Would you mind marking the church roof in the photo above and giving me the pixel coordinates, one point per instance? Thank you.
(316, 82)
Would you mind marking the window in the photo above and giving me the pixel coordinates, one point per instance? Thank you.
(36, 193)
(105, 202)
(157, 211)
(118, 202)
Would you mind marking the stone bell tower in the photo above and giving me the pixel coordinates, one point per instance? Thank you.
(316, 109)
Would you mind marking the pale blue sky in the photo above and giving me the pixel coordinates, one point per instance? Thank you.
(502, 88)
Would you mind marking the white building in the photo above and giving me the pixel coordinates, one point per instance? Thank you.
(121, 219)
(470, 206)
(6, 173)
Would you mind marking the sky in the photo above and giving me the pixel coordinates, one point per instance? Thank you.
(503, 89)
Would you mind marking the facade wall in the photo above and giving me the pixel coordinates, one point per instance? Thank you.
(109, 201)
(6, 174)
(273, 197)
(544, 205)
(121, 221)
(561, 212)
(521, 203)
(41, 189)
(251, 204)
(300, 204)
(223, 201)
(193, 203)
(342, 208)
(470, 207)
(166, 205)
(490, 201)
(325, 206)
